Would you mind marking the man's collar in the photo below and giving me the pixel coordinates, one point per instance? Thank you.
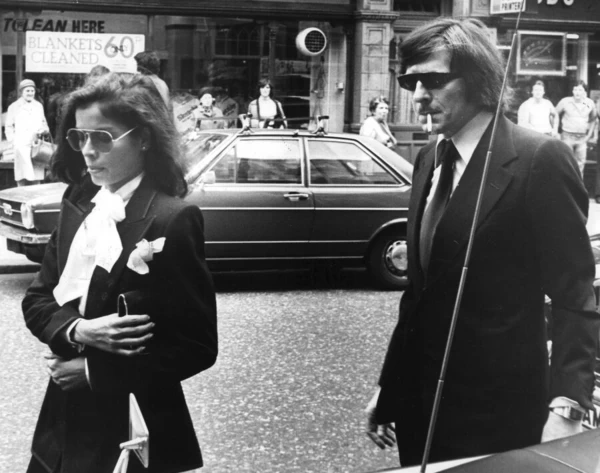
(468, 137)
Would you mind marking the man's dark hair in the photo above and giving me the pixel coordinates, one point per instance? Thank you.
(581, 83)
(95, 72)
(147, 62)
(473, 55)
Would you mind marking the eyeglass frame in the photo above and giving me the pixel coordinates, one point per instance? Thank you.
(87, 135)
(443, 78)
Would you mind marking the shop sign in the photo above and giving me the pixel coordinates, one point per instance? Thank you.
(183, 112)
(541, 53)
(53, 24)
(507, 6)
(79, 52)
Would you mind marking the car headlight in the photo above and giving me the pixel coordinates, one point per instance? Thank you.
(27, 216)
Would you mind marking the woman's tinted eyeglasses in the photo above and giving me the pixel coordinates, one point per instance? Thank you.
(430, 80)
(102, 141)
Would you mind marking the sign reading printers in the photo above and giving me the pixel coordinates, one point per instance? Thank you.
(78, 52)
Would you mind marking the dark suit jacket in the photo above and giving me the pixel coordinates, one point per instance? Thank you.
(83, 428)
(530, 240)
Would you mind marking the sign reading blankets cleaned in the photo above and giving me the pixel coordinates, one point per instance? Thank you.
(79, 52)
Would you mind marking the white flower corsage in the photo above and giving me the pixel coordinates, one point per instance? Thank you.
(143, 253)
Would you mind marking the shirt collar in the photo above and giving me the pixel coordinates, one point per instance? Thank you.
(127, 189)
(468, 137)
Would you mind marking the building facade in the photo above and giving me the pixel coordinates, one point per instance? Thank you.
(225, 47)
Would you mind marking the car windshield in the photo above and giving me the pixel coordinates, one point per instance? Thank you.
(196, 148)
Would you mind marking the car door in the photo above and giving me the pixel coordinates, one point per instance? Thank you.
(258, 206)
(355, 194)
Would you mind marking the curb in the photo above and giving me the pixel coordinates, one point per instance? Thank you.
(12, 268)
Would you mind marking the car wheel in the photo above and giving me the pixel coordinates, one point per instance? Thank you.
(387, 261)
(35, 253)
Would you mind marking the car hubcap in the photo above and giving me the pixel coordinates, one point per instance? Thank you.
(395, 258)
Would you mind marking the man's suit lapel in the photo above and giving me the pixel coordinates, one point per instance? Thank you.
(452, 233)
(131, 231)
(421, 185)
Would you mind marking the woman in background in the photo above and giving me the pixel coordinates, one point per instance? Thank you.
(376, 125)
(265, 111)
(25, 122)
(123, 230)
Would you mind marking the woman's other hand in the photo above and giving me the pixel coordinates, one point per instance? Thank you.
(68, 374)
(126, 335)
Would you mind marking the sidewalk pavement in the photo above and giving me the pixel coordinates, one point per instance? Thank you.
(11, 263)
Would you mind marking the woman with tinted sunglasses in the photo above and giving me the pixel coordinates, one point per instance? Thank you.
(376, 125)
(123, 231)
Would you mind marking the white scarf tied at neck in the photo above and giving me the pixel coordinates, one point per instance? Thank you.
(96, 243)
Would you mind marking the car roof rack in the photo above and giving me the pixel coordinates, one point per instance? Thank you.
(319, 119)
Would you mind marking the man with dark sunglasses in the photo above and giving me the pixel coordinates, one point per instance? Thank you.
(530, 241)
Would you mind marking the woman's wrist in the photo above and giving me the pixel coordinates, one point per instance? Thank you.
(80, 333)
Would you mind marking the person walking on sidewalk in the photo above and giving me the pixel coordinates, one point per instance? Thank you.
(577, 119)
(25, 122)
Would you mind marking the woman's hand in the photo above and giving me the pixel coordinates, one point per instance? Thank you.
(68, 374)
(125, 335)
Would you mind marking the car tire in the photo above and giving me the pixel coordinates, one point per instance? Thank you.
(387, 261)
(35, 253)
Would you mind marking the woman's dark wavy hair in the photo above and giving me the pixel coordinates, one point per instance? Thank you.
(264, 82)
(473, 54)
(131, 100)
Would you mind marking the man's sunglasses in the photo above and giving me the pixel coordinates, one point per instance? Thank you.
(102, 141)
(430, 80)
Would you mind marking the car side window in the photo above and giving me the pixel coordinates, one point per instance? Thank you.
(260, 161)
(338, 162)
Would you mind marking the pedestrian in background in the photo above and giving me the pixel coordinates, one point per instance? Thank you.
(206, 112)
(577, 122)
(537, 113)
(265, 111)
(227, 105)
(376, 125)
(498, 392)
(123, 231)
(25, 123)
(148, 64)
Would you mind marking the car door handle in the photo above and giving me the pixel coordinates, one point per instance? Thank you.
(295, 196)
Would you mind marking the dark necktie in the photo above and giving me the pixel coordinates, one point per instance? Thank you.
(448, 154)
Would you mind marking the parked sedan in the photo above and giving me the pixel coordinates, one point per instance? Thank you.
(270, 198)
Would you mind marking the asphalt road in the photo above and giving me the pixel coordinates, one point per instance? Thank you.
(299, 358)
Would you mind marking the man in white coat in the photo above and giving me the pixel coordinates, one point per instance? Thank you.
(25, 120)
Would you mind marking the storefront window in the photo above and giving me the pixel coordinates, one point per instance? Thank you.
(540, 57)
(221, 56)
(431, 6)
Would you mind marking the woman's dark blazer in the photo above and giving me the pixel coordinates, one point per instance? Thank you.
(530, 241)
(82, 429)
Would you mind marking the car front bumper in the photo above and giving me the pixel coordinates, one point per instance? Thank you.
(23, 235)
